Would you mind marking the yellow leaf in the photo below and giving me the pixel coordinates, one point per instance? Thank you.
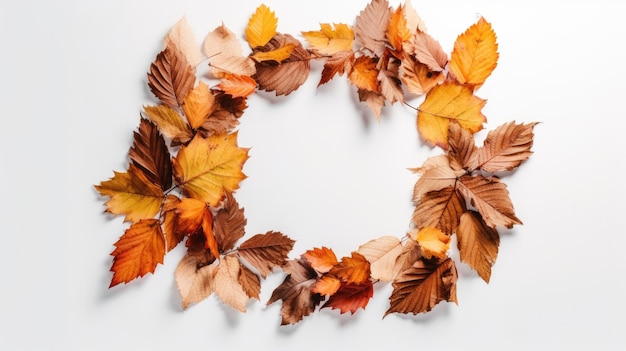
(170, 123)
(261, 27)
(433, 242)
(277, 55)
(475, 54)
(445, 103)
(198, 105)
(207, 167)
(329, 41)
(364, 74)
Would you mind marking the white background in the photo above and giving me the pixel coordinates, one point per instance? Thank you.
(321, 171)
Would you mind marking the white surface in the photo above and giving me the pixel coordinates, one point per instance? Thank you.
(321, 172)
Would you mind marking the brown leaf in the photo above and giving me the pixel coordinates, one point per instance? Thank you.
(461, 149)
(390, 84)
(428, 51)
(194, 282)
(375, 101)
(339, 63)
(411, 252)
(171, 77)
(227, 283)
(436, 175)
(266, 251)
(250, 282)
(288, 75)
(506, 147)
(417, 77)
(371, 26)
(194, 217)
(173, 235)
(150, 154)
(382, 254)
(322, 259)
(351, 297)
(226, 115)
(352, 270)
(424, 285)
(491, 199)
(478, 244)
(441, 209)
(298, 301)
(170, 123)
(229, 224)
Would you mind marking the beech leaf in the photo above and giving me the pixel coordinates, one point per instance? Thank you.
(261, 27)
(506, 147)
(227, 283)
(428, 51)
(382, 254)
(229, 224)
(434, 242)
(225, 54)
(441, 209)
(321, 259)
(475, 54)
(150, 154)
(171, 77)
(352, 270)
(371, 26)
(194, 282)
(170, 123)
(351, 297)
(478, 244)
(237, 86)
(198, 105)
(181, 36)
(329, 40)
(417, 77)
(266, 251)
(491, 198)
(339, 63)
(364, 74)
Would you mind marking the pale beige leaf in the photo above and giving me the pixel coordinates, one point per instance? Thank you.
(194, 283)
(371, 26)
(428, 51)
(182, 36)
(436, 175)
(225, 53)
(411, 252)
(413, 21)
(374, 100)
(382, 254)
(227, 285)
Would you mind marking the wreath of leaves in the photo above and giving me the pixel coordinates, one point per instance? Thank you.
(185, 164)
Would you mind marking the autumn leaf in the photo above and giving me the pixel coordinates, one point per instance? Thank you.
(375, 101)
(428, 51)
(423, 286)
(321, 259)
(478, 244)
(433, 242)
(326, 285)
(132, 194)
(441, 209)
(445, 103)
(390, 84)
(195, 283)
(194, 215)
(350, 297)
(277, 55)
(411, 253)
(173, 235)
(298, 301)
(226, 115)
(475, 54)
(329, 40)
(223, 49)
(181, 35)
(371, 26)
(229, 224)
(171, 77)
(198, 105)
(266, 251)
(506, 147)
(461, 148)
(237, 86)
(207, 167)
(339, 63)
(382, 254)
(364, 74)
(150, 154)
(417, 77)
(261, 27)
(170, 123)
(352, 270)
(413, 21)
(250, 282)
(491, 199)
(227, 283)
(138, 251)
(436, 174)
(397, 30)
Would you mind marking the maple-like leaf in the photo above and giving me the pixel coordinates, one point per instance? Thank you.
(397, 30)
(132, 194)
(229, 224)
(138, 251)
(441, 209)
(288, 75)
(298, 301)
(329, 40)
(171, 77)
(475, 54)
(237, 86)
(261, 27)
(225, 117)
(423, 286)
(417, 77)
(225, 54)
(194, 282)
(352, 270)
(227, 283)
(506, 147)
(444, 103)
(364, 74)
(351, 297)
(194, 215)
(170, 123)
(382, 254)
(198, 105)
(478, 244)
(428, 51)
(321, 259)
(181, 35)
(207, 167)
(436, 174)
(266, 251)
(150, 154)
(433, 242)
(339, 63)
(491, 199)
(371, 26)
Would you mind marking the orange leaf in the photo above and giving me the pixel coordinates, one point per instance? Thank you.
(417, 77)
(329, 40)
(397, 30)
(194, 215)
(261, 27)
(322, 260)
(478, 244)
(198, 105)
(364, 74)
(339, 63)
(433, 242)
(138, 251)
(277, 55)
(326, 285)
(352, 270)
(444, 103)
(206, 167)
(351, 297)
(237, 86)
(475, 54)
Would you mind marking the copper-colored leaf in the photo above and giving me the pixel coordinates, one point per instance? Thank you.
(290, 74)
(506, 147)
(194, 215)
(364, 74)
(441, 209)
(423, 286)
(198, 105)
(229, 224)
(237, 86)
(131, 194)
(444, 103)
(329, 40)
(371, 26)
(226, 115)
(491, 199)
(150, 154)
(266, 251)
(382, 254)
(138, 251)
(428, 51)
(351, 297)
(475, 54)
(261, 27)
(207, 167)
(339, 63)
(461, 148)
(194, 282)
(326, 285)
(171, 77)
(227, 283)
(417, 77)
(173, 235)
(250, 282)
(181, 36)
(170, 123)
(321, 259)
(390, 84)
(352, 270)
(478, 244)
(413, 21)
(434, 242)
(436, 175)
(298, 301)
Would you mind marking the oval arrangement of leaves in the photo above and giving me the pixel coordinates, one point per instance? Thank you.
(185, 164)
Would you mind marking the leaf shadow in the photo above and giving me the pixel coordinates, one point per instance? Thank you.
(441, 310)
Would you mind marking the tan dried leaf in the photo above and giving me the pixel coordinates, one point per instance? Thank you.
(371, 26)
(227, 283)
(181, 35)
(382, 254)
(491, 199)
(441, 209)
(194, 282)
(506, 147)
(478, 244)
